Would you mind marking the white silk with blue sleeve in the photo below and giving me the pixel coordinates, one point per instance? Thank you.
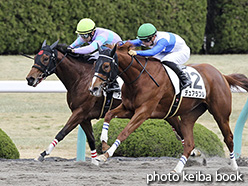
(102, 36)
(166, 47)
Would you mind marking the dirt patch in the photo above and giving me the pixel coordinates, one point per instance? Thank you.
(116, 171)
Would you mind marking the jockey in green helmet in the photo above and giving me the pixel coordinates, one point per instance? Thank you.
(146, 30)
(168, 47)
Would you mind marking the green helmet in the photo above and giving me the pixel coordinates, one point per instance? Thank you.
(146, 30)
(85, 26)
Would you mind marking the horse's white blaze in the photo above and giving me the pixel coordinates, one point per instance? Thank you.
(93, 81)
(95, 92)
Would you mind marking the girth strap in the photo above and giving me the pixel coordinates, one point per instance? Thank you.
(174, 106)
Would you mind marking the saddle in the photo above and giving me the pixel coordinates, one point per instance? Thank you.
(196, 90)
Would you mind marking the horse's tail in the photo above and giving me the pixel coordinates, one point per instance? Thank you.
(237, 82)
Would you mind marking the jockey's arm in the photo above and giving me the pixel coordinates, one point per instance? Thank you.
(92, 47)
(77, 43)
(135, 42)
(159, 47)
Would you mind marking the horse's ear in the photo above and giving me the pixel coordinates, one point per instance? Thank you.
(113, 51)
(54, 44)
(99, 48)
(44, 43)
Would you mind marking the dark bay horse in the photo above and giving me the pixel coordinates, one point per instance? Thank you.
(143, 99)
(76, 75)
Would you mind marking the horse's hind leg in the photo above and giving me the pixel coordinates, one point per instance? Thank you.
(175, 124)
(187, 125)
(221, 113)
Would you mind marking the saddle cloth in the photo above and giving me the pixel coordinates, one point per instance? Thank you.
(196, 90)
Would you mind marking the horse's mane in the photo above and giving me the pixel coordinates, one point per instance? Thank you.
(125, 47)
(79, 57)
(61, 47)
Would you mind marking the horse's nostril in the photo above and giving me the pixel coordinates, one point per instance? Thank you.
(95, 89)
(30, 80)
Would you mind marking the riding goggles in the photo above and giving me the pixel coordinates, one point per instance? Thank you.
(85, 36)
(146, 40)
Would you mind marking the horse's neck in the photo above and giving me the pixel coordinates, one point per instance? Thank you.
(132, 71)
(71, 72)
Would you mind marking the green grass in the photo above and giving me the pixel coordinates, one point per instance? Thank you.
(33, 119)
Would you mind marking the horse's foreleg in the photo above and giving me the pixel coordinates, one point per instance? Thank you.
(73, 121)
(118, 112)
(138, 118)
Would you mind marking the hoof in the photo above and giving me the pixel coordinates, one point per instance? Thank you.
(95, 161)
(101, 158)
(195, 153)
(174, 172)
(40, 158)
(234, 165)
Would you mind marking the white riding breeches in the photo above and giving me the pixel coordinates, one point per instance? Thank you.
(178, 57)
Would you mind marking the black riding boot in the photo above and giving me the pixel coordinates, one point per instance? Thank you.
(181, 75)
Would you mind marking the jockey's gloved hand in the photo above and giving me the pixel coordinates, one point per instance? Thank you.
(132, 52)
(68, 50)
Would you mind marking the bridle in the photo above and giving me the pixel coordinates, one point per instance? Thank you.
(50, 68)
(113, 61)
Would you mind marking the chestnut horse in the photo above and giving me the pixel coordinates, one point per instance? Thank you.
(76, 75)
(142, 98)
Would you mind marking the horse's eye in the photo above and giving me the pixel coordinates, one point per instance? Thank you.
(46, 59)
(106, 67)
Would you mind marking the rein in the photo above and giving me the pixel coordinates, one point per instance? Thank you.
(125, 70)
(141, 72)
(144, 69)
(53, 69)
(25, 55)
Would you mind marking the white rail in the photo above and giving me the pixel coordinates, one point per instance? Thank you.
(22, 87)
